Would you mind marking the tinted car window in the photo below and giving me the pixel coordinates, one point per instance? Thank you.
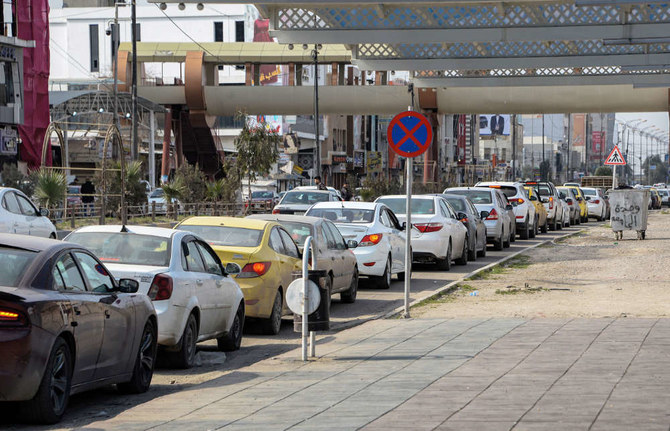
(211, 262)
(98, 277)
(158, 193)
(337, 236)
(305, 197)
(10, 204)
(298, 231)
(276, 242)
(457, 204)
(508, 191)
(262, 195)
(476, 196)
(194, 262)
(226, 235)
(69, 273)
(125, 247)
(343, 215)
(289, 246)
(13, 263)
(592, 192)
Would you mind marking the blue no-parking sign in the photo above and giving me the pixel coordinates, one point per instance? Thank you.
(409, 134)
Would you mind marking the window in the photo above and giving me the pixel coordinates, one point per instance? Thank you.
(69, 273)
(13, 262)
(124, 247)
(98, 277)
(27, 207)
(226, 235)
(328, 235)
(94, 47)
(239, 31)
(218, 32)
(275, 241)
(289, 246)
(337, 236)
(211, 262)
(449, 209)
(386, 221)
(10, 204)
(193, 259)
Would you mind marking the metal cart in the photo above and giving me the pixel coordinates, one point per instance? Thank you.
(629, 211)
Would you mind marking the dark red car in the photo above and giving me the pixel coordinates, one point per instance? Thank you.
(67, 326)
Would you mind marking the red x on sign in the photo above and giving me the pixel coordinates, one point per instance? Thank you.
(409, 134)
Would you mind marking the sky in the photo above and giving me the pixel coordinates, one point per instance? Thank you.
(658, 119)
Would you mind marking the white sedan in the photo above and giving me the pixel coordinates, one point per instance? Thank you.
(194, 298)
(381, 238)
(19, 215)
(437, 235)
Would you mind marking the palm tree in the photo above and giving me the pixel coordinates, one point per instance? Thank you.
(215, 190)
(50, 188)
(172, 191)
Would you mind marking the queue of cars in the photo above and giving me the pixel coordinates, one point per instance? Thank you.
(99, 307)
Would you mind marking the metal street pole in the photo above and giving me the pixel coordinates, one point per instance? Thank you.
(408, 230)
(122, 162)
(315, 57)
(134, 149)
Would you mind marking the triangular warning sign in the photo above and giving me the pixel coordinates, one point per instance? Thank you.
(615, 157)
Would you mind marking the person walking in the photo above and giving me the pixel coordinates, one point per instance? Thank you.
(319, 184)
(345, 192)
(87, 198)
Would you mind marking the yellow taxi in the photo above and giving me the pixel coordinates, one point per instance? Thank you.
(656, 200)
(540, 210)
(583, 206)
(269, 258)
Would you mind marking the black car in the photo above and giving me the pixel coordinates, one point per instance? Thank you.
(473, 221)
(67, 326)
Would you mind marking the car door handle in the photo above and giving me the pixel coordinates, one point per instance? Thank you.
(107, 314)
(198, 282)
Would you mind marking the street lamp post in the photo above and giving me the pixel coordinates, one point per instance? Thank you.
(115, 59)
(315, 57)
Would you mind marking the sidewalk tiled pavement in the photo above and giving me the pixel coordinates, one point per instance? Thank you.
(425, 374)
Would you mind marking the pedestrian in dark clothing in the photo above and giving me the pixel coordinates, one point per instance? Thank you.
(87, 198)
(319, 184)
(345, 192)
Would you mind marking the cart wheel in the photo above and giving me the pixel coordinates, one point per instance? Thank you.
(644, 234)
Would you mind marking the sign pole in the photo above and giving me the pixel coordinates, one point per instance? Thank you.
(305, 295)
(408, 231)
(614, 184)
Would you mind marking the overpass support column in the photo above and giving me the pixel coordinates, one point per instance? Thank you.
(428, 103)
(334, 74)
(291, 74)
(247, 74)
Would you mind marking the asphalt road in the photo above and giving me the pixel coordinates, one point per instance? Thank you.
(371, 303)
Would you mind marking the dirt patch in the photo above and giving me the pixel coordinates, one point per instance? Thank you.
(587, 275)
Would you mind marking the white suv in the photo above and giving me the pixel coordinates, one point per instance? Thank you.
(524, 211)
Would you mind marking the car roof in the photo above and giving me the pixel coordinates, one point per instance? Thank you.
(309, 188)
(348, 204)
(498, 183)
(140, 230)
(430, 196)
(240, 222)
(286, 217)
(29, 242)
(490, 190)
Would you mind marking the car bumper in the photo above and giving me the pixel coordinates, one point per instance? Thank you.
(493, 230)
(595, 210)
(428, 245)
(259, 295)
(375, 258)
(25, 354)
(170, 318)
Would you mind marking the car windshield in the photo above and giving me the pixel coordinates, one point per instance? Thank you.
(476, 196)
(301, 197)
(343, 215)
(419, 206)
(566, 191)
(508, 191)
(544, 190)
(158, 193)
(663, 192)
(590, 192)
(226, 235)
(125, 247)
(457, 204)
(13, 262)
(298, 231)
(262, 195)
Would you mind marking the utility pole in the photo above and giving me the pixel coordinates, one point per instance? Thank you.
(567, 159)
(514, 147)
(315, 57)
(134, 148)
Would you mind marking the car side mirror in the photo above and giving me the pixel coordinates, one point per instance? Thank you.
(128, 285)
(568, 200)
(509, 207)
(461, 215)
(232, 268)
(44, 212)
(352, 243)
(545, 200)
(403, 226)
(533, 198)
(588, 198)
(484, 214)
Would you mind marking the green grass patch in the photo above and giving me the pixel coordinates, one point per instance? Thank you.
(518, 262)
(513, 290)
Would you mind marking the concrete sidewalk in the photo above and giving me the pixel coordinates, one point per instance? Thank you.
(424, 374)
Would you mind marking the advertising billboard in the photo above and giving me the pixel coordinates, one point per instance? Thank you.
(494, 124)
(578, 130)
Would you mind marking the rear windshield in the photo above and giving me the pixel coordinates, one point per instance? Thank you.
(226, 235)
(262, 195)
(567, 192)
(476, 196)
(343, 215)
(590, 192)
(663, 192)
(158, 193)
(419, 206)
(125, 247)
(13, 263)
(305, 197)
(544, 190)
(298, 231)
(457, 204)
(508, 191)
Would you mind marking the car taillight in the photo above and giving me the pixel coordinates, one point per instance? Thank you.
(464, 220)
(275, 211)
(551, 202)
(493, 215)
(371, 239)
(597, 201)
(428, 227)
(161, 287)
(256, 269)
(9, 317)
(517, 200)
(570, 203)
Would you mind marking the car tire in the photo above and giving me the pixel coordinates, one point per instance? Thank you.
(445, 264)
(545, 226)
(482, 252)
(512, 236)
(349, 295)
(554, 224)
(143, 370)
(500, 243)
(472, 254)
(525, 232)
(53, 393)
(233, 339)
(272, 325)
(463, 260)
(384, 282)
(533, 231)
(185, 357)
(508, 243)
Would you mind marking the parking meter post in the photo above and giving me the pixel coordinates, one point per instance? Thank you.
(408, 234)
(305, 297)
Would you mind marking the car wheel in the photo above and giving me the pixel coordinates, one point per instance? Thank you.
(233, 339)
(533, 230)
(545, 227)
(525, 232)
(445, 264)
(463, 260)
(349, 295)
(500, 243)
(482, 252)
(185, 356)
(508, 243)
(384, 281)
(512, 236)
(554, 225)
(472, 254)
(50, 401)
(273, 323)
(143, 370)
